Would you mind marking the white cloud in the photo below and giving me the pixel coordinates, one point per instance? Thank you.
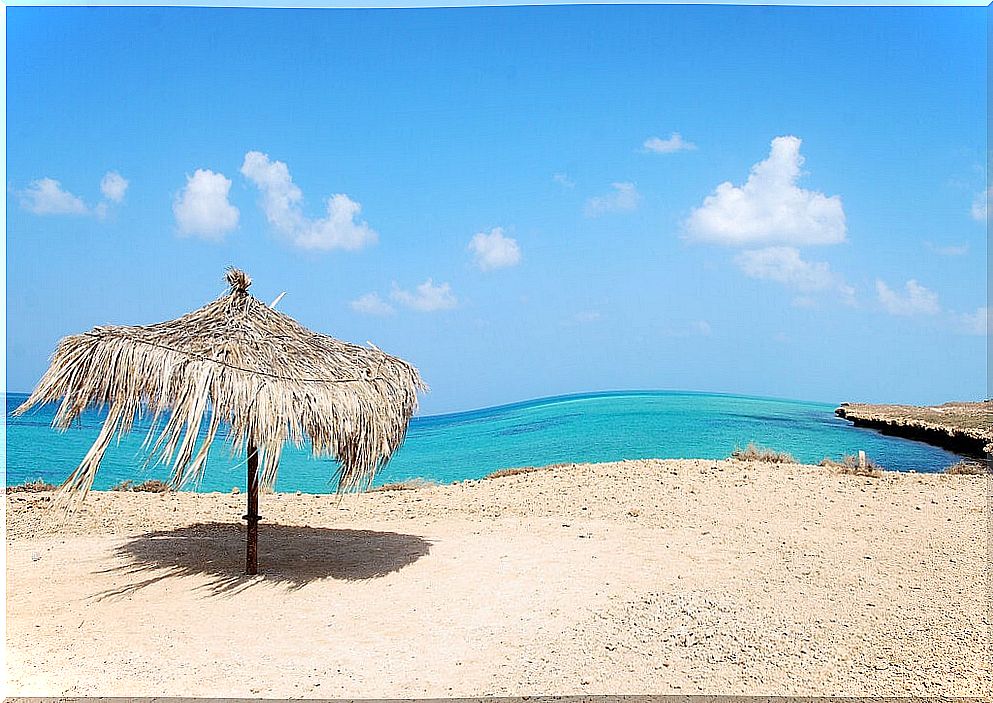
(587, 316)
(493, 250)
(339, 230)
(976, 322)
(113, 186)
(769, 208)
(785, 265)
(426, 297)
(46, 196)
(280, 196)
(696, 328)
(202, 207)
(917, 300)
(674, 143)
(981, 205)
(948, 250)
(701, 327)
(624, 197)
(564, 180)
(281, 202)
(371, 304)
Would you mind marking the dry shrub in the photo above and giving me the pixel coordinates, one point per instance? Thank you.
(516, 472)
(149, 486)
(849, 466)
(754, 452)
(967, 468)
(410, 485)
(523, 470)
(36, 486)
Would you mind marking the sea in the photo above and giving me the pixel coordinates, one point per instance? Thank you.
(589, 427)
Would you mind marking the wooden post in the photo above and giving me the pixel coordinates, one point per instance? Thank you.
(252, 550)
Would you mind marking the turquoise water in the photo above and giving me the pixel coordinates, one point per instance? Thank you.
(577, 428)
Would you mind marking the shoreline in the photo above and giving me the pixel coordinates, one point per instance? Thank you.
(640, 423)
(963, 428)
(647, 576)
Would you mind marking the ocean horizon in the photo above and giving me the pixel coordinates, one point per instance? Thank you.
(581, 427)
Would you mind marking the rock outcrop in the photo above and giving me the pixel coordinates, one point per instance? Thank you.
(966, 428)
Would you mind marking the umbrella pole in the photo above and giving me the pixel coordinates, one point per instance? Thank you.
(252, 550)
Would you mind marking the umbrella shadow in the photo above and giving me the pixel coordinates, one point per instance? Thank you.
(290, 556)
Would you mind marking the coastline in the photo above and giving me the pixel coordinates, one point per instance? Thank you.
(964, 428)
(572, 428)
(675, 576)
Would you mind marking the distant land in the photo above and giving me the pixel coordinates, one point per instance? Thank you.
(962, 427)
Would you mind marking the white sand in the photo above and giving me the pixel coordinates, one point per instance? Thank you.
(632, 577)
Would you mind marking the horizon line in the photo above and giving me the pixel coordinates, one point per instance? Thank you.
(459, 4)
(583, 394)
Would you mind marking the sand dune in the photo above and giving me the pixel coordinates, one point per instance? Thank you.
(632, 577)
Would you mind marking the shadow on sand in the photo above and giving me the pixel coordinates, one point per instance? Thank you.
(289, 556)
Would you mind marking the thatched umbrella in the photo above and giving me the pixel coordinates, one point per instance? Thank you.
(239, 362)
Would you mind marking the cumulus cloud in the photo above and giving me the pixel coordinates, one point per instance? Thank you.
(770, 208)
(46, 196)
(785, 265)
(564, 180)
(280, 196)
(339, 229)
(976, 322)
(981, 205)
(494, 250)
(625, 196)
(113, 186)
(282, 201)
(371, 304)
(427, 297)
(674, 143)
(916, 299)
(202, 208)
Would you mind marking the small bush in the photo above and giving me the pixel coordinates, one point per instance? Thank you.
(967, 468)
(516, 471)
(848, 460)
(849, 466)
(36, 486)
(754, 452)
(410, 485)
(149, 486)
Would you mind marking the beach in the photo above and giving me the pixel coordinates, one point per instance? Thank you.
(648, 576)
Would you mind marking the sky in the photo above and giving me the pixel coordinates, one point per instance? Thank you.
(521, 201)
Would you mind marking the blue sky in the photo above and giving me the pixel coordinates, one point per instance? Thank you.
(522, 201)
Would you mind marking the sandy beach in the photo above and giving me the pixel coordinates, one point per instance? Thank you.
(633, 577)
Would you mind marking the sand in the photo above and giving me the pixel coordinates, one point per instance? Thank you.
(632, 577)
